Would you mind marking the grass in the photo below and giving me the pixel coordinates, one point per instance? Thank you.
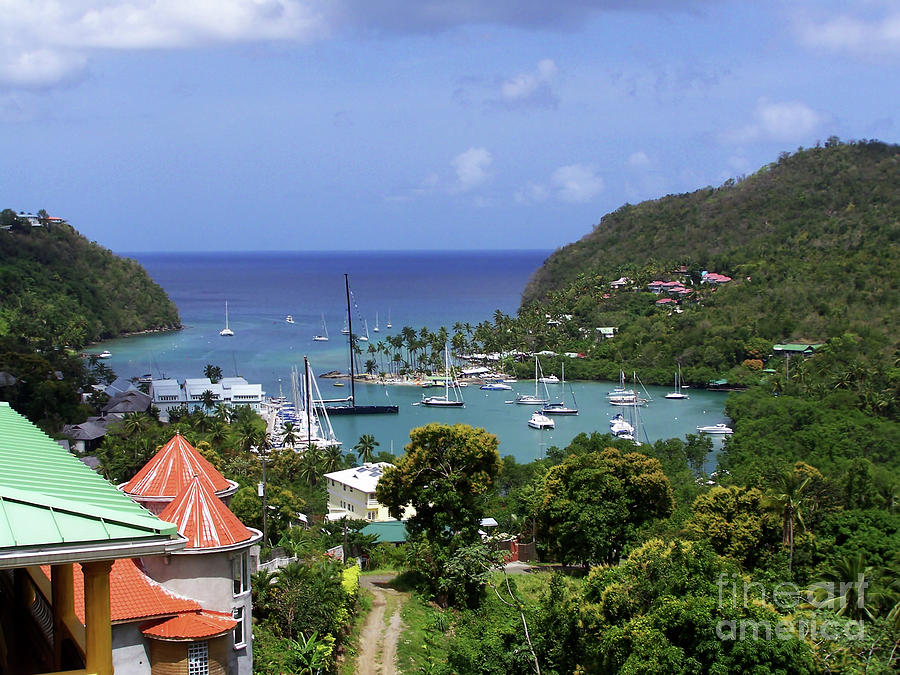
(421, 644)
(347, 663)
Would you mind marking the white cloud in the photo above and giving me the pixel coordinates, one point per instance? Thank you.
(777, 121)
(532, 87)
(69, 30)
(639, 160)
(472, 168)
(576, 183)
(533, 193)
(867, 36)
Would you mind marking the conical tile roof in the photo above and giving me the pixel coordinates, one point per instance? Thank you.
(204, 520)
(171, 469)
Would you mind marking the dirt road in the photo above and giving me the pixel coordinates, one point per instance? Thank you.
(378, 641)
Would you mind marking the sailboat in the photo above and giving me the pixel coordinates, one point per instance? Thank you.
(324, 336)
(625, 397)
(677, 394)
(352, 408)
(376, 329)
(445, 401)
(226, 332)
(388, 324)
(289, 319)
(346, 329)
(364, 338)
(559, 407)
(528, 399)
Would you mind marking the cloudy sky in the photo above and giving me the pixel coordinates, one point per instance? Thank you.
(416, 124)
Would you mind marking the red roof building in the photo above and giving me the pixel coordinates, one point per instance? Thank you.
(203, 519)
(169, 471)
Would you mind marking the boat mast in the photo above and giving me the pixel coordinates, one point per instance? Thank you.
(350, 328)
(309, 411)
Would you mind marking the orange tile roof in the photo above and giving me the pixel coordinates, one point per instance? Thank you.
(132, 594)
(193, 626)
(171, 469)
(203, 519)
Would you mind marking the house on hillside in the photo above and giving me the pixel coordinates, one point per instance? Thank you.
(621, 282)
(351, 494)
(801, 349)
(232, 391)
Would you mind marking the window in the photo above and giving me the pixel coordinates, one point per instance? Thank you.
(238, 615)
(198, 658)
(371, 515)
(240, 573)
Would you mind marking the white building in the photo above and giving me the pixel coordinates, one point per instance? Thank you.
(232, 391)
(351, 494)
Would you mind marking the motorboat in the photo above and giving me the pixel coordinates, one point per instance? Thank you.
(226, 332)
(289, 319)
(549, 379)
(496, 386)
(715, 429)
(105, 354)
(619, 426)
(540, 421)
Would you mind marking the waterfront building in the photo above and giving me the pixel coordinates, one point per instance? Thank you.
(232, 391)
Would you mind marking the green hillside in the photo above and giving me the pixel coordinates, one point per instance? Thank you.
(58, 289)
(812, 243)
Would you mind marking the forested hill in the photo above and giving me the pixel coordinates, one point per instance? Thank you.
(817, 232)
(58, 288)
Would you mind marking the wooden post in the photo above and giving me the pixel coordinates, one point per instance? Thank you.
(97, 618)
(62, 586)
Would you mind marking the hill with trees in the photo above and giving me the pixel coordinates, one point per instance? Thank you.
(59, 289)
(811, 243)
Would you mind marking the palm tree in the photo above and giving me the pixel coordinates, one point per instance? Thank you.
(786, 499)
(365, 448)
(135, 423)
(310, 467)
(208, 400)
(331, 458)
(214, 373)
(222, 413)
(289, 435)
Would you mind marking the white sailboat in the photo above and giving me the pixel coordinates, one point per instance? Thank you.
(324, 336)
(445, 401)
(364, 338)
(528, 399)
(677, 394)
(346, 329)
(559, 407)
(388, 324)
(226, 332)
(376, 329)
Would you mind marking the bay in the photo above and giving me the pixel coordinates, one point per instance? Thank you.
(416, 288)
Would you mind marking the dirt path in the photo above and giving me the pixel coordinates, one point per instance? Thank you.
(378, 642)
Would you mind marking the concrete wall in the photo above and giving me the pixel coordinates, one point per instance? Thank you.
(130, 652)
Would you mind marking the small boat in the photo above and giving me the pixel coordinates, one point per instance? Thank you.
(541, 421)
(345, 330)
(364, 338)
(105, 354)
(388, 324)
(559, 407)
(337, 384)
(324, 336)
(226, 332)
(376, 329)
(715, 429)
(289, 319)
(445, 401)
(619, 426)
(550, 379)
(495, 386)
(677, 394)
(528, 399)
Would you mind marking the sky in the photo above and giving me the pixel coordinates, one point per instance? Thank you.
(228, 125)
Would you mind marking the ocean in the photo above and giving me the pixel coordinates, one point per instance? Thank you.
(416, 288)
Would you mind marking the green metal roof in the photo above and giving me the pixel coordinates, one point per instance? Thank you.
(796, 347)
(388, 532)
(53, 508)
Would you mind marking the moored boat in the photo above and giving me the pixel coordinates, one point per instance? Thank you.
(540, 421)
(715, 429)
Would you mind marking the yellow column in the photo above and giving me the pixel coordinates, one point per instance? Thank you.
(62, 585)
(97, 620)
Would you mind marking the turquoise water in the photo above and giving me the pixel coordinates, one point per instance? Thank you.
(416, 288)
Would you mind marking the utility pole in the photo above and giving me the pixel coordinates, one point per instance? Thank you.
(261, 492)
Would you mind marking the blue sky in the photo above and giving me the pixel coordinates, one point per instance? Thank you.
(437, 124)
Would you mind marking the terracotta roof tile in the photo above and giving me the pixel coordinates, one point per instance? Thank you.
(171, 469)
(132, 594)
(203, 519)
(193, 626)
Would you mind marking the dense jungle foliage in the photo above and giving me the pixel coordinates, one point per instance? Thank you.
(59, 289)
